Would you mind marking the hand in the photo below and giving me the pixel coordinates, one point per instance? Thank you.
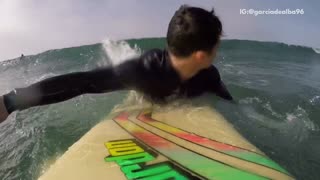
(3, 110)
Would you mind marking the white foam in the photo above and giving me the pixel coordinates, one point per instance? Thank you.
(299, 124)
(136, 99)
(269, 108)
(296, 122)
(317, 50)
(119, 51)
(315, 100)
(250, 100)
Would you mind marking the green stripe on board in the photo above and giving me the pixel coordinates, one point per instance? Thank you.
(192, 161)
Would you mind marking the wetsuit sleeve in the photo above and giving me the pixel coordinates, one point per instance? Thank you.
(64, 87)
(223, 92)
(216, 85)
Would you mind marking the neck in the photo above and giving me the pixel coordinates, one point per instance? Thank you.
(184, 66)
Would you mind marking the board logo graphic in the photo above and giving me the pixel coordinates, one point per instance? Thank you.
(137, 162)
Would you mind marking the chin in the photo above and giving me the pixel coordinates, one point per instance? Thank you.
(207, 66)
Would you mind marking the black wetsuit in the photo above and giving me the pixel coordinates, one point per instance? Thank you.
(151, 73)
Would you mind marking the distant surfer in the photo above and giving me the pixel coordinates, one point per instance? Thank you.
(184, 68)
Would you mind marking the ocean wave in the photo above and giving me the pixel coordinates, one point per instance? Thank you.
(247, 66)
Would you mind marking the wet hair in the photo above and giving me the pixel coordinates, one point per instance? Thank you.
(192, 29)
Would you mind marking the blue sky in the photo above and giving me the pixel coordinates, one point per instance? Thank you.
(33, 26)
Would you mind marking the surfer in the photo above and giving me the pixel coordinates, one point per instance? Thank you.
(184, 68)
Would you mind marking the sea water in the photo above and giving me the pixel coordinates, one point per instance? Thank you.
(276, 88)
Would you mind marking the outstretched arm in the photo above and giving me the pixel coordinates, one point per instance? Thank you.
(64, 87)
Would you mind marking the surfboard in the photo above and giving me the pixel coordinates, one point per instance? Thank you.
(157, 143)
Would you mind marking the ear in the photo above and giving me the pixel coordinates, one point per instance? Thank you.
(199, 56)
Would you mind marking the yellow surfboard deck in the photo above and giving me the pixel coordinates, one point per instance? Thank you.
(159, 143)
